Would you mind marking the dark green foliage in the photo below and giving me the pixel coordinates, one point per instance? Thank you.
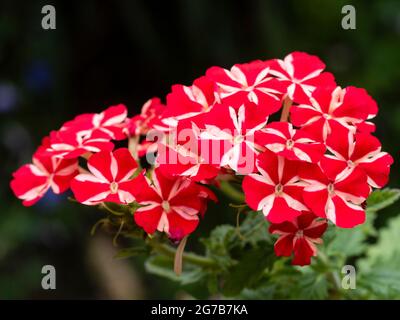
(245, 266)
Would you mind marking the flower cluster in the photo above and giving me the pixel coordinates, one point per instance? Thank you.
(301, 146)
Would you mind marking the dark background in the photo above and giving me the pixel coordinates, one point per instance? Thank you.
(110, 52)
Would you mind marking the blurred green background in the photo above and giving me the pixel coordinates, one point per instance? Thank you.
(104, 53)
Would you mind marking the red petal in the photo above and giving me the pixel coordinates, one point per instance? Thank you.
(302, 252)
(125, 162)
(281, 212)
(316, 230)
(29, 186)
(284, 246)
(148, 219)
(100, 165)
(347, 217)
(180, 227)
(89, 192)
(284, 227)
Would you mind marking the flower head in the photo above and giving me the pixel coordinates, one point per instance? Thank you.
(111, 122)
(335, 194)
(360, 151)
(284, 140)
(301, 74)
(32, 181)
(276, 190)
(109, 179)
(151, 111)
(169, 205)
(249, 82)
(298, 237)
(185, 102)
(69, 144)
(232, 131)
(189, 161)
(328, 106)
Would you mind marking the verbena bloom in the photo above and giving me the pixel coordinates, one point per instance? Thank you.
(31, 182)
(169, 205)
(248, 82)
(276, 190)
(335, 194)
(361, 151)
(235, 130)
(110, 122)
(189, 161)
(282, 139)
(185, 102)
(327, 106)
(301, 74)
(150, 114)
(109, 179)
(299, 237)
(141, 125)
(69, 144)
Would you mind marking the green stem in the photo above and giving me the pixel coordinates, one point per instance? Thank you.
(331, 274)
(188, 257)
(231, 192)
(117, 213)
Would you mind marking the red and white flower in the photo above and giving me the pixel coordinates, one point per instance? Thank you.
(335, 194)
(69, 144)
(277, 190)
(282, 139)
(145, 124)
(181, 160)
(218, 127)
(348, 107)
(301, 73)
(299, 237)
(109, 179)
(150, 115)
(185, 102)
(361, 151)
(233, 132)
(110, 122)
(169, 205)
(32, 181)
(249, 82)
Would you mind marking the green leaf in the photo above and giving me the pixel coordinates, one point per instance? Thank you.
(351, 242)
(312, 286)
(378, 274)
(382, 282)
(254, 229)
(212, 284)
(249, 270)
(386, 251)
(266, 292)
(347, 242)
(164, 267)
(380, 199)
(289, 282)
(219, 244)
